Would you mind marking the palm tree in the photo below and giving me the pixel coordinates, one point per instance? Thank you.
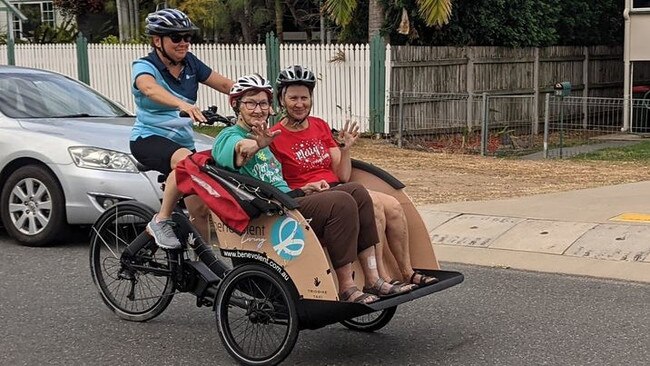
(433, 12)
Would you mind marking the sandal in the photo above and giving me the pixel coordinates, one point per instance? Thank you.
(424, 279)
(393, 290)
(402, 284)
(361, 299)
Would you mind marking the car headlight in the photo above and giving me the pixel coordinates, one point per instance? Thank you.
(102, 159)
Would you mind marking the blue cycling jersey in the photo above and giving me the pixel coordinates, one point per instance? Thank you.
(156, 119)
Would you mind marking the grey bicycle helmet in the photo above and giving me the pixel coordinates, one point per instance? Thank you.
(244, 84)
(168, 21)
(295, 75)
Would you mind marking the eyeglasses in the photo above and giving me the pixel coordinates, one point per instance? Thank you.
(251, 105)
(176, 37)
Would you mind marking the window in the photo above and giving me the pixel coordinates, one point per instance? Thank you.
(641, 4)
(47, 14)
(17, 27)
(37, 13)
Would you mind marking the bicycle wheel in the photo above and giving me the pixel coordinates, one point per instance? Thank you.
(256, 315)
(137, 292)
(371, 322)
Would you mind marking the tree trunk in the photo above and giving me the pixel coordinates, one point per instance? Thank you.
(278, 20)
(133, 19)
(119, 6)
(136, 16)
(244, 21)
(375, 18)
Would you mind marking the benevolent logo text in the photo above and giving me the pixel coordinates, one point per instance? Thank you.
(287, 238)
(254, 230)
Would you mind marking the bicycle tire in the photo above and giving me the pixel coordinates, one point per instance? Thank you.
(132, 295)
(370, 322)
(254, 302)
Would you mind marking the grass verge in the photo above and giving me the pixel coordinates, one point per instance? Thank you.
(634, 153)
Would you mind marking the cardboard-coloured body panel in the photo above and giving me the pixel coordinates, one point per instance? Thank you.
(288, 245)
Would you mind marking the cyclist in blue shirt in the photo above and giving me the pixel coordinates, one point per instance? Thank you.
(166, 82)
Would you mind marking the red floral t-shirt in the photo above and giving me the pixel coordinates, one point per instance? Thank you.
(305, 155)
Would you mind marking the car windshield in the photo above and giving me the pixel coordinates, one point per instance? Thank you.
(36, 95)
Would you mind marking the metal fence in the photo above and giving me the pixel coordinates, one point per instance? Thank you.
(510, 125)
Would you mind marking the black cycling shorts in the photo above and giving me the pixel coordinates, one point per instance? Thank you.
(155, 152)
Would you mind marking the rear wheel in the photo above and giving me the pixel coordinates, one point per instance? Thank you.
(132, 287)
(256, 315)
(371, 322)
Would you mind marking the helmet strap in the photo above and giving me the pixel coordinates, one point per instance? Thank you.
(164, 53)
(292, 122)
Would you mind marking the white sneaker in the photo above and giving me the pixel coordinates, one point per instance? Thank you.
(163, 233)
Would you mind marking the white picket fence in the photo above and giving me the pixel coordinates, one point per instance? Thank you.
(343, 71)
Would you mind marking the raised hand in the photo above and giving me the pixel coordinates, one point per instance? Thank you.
(262, 135)
(348, 135)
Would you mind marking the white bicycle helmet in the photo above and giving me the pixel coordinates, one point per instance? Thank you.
(244, 84)
(168, 21)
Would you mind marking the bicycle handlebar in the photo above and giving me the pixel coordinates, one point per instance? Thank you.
(212, 117)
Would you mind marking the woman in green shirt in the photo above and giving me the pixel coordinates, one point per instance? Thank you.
(341, 217)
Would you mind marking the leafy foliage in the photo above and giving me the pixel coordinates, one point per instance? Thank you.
(434, 12)
(65, 32)
(521, 23)
(73, 8)
(341, 11)
(231, 20)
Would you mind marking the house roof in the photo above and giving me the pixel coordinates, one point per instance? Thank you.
(13, 9)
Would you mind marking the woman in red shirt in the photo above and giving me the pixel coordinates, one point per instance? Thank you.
(308, 153)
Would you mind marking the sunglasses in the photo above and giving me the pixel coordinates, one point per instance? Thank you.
(176, 38)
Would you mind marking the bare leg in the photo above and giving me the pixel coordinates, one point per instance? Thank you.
(171, 195)
(380, 219)
(397, 236)
(199, 216)
(397, 233)
(344, 275)
(371, 275)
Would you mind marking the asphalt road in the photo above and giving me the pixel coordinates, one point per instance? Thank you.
(50, 313)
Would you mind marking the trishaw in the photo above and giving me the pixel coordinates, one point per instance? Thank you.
(279, 279)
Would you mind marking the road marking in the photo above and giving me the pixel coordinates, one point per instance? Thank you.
(632, 217)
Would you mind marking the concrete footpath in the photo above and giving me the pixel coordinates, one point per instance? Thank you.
(600, 232)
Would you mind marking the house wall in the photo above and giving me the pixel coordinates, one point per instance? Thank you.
(58, 17)
(639, 31)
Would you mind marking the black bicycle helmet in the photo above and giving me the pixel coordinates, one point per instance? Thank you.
(168, 21)
(295, 75)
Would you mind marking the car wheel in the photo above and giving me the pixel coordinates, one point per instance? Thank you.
(32, 206)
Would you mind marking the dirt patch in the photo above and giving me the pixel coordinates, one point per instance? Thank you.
(439, 177)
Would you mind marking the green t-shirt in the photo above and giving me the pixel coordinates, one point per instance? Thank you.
(263, 166)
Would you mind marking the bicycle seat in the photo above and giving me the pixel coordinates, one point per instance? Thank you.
(144, 168)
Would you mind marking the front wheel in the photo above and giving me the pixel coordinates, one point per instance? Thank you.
(138, 287)
(32, 206)
(371, 322)
(256, 315)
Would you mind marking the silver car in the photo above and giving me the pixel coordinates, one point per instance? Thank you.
(64, 155)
